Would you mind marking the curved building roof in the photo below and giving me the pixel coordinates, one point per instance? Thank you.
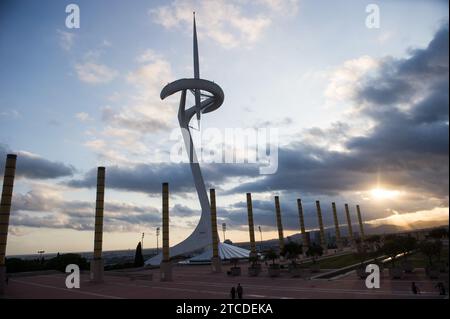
(226, 251)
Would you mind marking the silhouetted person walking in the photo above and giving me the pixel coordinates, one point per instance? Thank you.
(240, 291)
(414, 288)
(441, 288)
(233, 293)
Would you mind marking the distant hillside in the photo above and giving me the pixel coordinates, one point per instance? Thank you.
(369, 229)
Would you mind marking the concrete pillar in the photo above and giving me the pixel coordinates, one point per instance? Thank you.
(305, 239)
(215, 260)
(279, 224)
(5, 209)
(165, 266)
(321, 230)
(97, 262)
(350, 229)
(251, 227)
(336, 226)
(361, 228)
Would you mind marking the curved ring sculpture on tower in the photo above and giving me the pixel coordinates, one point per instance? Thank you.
(208, 97)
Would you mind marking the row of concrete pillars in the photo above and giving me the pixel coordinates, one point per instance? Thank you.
(166, 270)
(96, 274)
(97, 265)
(166, 266)
(305, 238)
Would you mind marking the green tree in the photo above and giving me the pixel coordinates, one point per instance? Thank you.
(438, 244)
(431, 249)
(439, 233)
(60, 262)
(390, 237)
(407, 244)
(57, 263)
(373, 239)
(138, 257)
(271, 255)
(361, 253)
(291, 250)
(253, 259)
(374, 242)
(20, 265)
(234, 261)
(314, 251)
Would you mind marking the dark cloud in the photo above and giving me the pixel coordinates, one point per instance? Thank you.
(147, 178)
(35, 167)
(41, 209)
(183, 211)
(312, 170)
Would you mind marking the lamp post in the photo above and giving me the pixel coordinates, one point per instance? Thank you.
(157, 240)
(224, 229)
(142, 242)
(260, 236)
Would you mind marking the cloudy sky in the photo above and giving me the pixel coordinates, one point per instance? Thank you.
(362, 114)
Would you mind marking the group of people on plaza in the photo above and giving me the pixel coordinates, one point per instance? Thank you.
(440, 286)
(237, 291)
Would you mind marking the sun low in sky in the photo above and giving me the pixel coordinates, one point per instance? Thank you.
(381, 193)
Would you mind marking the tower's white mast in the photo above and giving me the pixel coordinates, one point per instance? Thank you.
(201, 237)
(196, 76)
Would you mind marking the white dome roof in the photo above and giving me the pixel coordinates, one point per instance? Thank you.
(226, 251)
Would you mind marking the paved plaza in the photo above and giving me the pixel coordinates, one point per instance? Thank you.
(198, 282)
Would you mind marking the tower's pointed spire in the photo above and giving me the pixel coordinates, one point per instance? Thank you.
(196, 75)
(196, 65)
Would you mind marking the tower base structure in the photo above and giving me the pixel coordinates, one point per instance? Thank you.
(199, 239)
(166, 271)
(97, 268)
